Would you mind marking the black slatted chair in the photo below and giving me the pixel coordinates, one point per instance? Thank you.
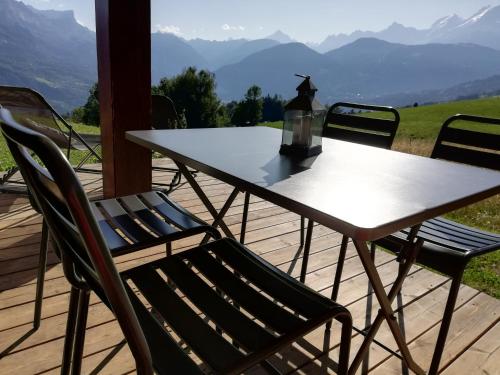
(30, 109)
(448, 246)
(165, 116)
(370, 131)
(218, 304)
(129, 224)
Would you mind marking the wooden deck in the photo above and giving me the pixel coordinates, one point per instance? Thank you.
(272, 232)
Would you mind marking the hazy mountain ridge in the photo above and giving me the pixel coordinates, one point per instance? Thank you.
(220, 53)
(482, 28)
(164, 63)
(469, 90)
(361, 71)
(62, 65)
(35, 53)
(272, 69)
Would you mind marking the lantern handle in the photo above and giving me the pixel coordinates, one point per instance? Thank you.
(302, 76)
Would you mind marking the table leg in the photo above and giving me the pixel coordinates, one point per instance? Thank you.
(385, 301)
(218, 216)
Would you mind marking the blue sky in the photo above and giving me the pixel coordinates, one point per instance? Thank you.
(304, 20)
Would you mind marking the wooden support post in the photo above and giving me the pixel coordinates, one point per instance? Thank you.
(123, 32)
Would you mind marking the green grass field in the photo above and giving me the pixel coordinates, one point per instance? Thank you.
(417, 131)
(418, 128)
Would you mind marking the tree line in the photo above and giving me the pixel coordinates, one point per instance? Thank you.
(193, 92)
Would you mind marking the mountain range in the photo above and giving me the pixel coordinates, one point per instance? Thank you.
(481, 28)
(35, 53)
(62, 65)
(364, 70)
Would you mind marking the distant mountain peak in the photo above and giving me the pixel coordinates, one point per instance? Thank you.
(280, 36)
(477, 16)
(448, 21)
(396, 25)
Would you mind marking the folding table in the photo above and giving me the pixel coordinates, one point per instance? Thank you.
(360, 191)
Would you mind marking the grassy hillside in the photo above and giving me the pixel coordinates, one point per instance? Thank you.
(417, 131)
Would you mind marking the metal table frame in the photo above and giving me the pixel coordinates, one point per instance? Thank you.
(407, 259)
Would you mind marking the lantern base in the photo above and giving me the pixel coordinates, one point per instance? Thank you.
(300, 151)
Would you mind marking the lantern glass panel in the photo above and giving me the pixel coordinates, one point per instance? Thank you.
(302, 132)
(318, 120)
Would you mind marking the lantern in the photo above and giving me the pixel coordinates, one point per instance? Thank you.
(303, 122)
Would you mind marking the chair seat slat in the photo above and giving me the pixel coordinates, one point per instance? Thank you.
(454, 226)
(246, 332)
(203, 339)
(284, 289)
(168, 357)
(360, 122)
(468, 156)
(436, 234)
(472, 138)
(122, 220)
(271, 314)
(376, 140)
(169, 211)
(146, 217)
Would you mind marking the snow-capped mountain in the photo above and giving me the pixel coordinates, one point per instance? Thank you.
(482, 28)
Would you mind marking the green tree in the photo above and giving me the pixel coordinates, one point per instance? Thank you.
(272, 108)
(88, 113)
(249, 111)
(193, 93)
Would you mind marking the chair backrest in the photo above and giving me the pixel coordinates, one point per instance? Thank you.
(164, 115)
(65, 207)
(478, 145)
(371, 131)
(30, 109)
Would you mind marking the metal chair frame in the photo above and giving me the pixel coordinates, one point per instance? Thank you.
(88, 141)
(234, 271)
(377, 132)
(165, 116)
(118, 223)
(448, 246)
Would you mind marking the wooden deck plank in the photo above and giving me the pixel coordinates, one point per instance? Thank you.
(483, 357)
(469, 322)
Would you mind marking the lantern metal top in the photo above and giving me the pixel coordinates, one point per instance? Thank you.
(306, 87)
(305, 100)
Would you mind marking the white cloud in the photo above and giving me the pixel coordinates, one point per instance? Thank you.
(227, 27)
(168, 29)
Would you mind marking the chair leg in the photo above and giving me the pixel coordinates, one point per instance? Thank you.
(40, 280)
(70, 330)
(373, 248)
(307, 248)
(340, 267)
(445, 324)
(345, 343)
(244, 218)
(302, 228)
(168, 247)
(81, 325)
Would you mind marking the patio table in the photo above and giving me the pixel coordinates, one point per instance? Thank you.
(360, 191)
